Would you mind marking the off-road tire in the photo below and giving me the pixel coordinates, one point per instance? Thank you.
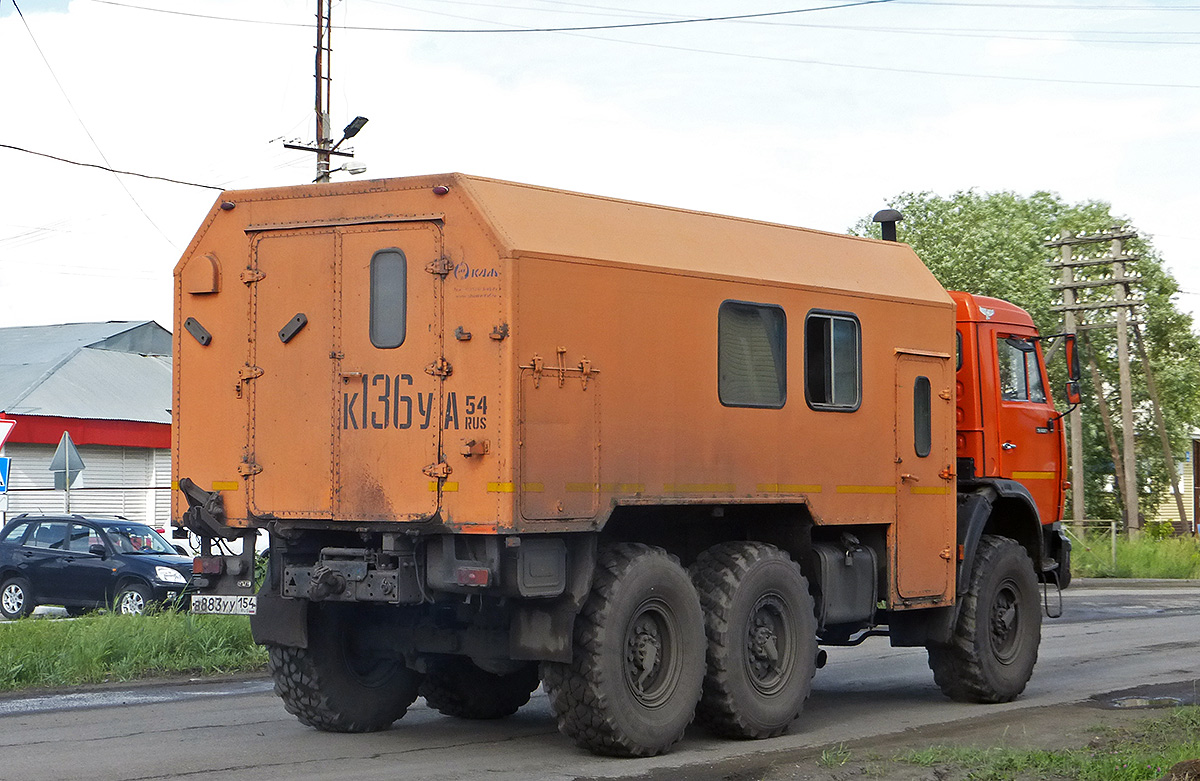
(16, 601)
(995, 644)
(761, 625)
(334, 689)
(637, 664)
(457, 687)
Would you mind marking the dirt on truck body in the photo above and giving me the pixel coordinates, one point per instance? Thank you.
(502, 434)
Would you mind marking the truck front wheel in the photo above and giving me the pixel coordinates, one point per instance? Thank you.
(632, 685)
(995, 644)
(332, 686)
(762, 639)
(457, 687)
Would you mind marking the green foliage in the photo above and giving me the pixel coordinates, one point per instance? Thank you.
(109, 647)
(1137, 754)
(993, 244)
(1158, 530)
(1177, 557)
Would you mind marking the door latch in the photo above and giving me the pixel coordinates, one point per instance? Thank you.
(439, 368)
(438, 471)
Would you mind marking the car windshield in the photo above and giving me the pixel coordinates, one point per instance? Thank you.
(137, 538)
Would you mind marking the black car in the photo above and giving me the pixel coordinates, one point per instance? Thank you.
(84, 562)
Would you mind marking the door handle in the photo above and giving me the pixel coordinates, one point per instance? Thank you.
(1008, 446)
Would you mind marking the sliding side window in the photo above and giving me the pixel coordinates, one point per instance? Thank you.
(832, 361)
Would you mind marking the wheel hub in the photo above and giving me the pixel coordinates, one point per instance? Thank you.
(1004, 623)
(644, 653)
(769, 654)
(13, 599)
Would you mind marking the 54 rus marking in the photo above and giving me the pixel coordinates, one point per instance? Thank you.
(386, 401)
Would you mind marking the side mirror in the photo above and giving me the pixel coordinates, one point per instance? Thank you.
(1073, 396)
(97, 550)
(1073, 373)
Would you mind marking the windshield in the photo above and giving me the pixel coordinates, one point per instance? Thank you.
(138, 538)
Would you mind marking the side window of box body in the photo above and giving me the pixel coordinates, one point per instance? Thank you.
(832, 361)
(751, 355)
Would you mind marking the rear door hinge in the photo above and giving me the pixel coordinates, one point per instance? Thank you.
(439, 368)
(247, 468)
(946, 474)
(247, 373)
(252, 275)
(441, 267)
(438, 471)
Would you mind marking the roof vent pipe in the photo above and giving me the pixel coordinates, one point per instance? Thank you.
(887, 218)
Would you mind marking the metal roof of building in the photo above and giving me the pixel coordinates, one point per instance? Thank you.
(105, 371)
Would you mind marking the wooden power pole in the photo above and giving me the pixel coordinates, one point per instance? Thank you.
(1072, 307)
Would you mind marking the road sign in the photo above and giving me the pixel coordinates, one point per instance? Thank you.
(5, 463)
(66, 463)
(6, 427)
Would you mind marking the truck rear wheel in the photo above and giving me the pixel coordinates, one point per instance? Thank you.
(995, 643)
(457, 687)
(762, 639)
(334, 687)
(632, 685)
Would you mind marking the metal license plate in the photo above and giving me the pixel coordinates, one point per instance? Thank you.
(224, 605)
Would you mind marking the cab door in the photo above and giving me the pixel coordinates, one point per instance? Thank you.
(1029, 436)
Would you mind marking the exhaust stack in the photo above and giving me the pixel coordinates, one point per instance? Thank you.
(887, 218)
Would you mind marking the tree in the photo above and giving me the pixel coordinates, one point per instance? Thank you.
(994, 244)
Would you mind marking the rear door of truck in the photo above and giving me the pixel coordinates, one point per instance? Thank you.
(344, 397)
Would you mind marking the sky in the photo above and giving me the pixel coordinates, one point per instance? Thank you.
(813, 115)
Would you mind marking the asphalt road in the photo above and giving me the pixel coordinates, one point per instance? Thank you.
(1111, 639)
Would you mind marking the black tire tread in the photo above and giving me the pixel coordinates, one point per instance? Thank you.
(716, 574)
(298, 682)
(462, 690)
(957, 667)
(575, 689)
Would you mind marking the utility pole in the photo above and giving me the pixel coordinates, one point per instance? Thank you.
(324, 58)
(1075, 417)
(1119, 282)
(324, 147)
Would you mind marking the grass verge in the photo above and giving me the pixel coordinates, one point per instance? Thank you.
(108, 647)
(1138, 753)
(1177, 557)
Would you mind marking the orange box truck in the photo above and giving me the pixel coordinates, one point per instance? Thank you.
(651, 458)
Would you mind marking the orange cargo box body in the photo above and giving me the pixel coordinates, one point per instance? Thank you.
(495, 357)
(502, 434)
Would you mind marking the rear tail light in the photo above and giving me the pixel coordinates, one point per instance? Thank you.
(208, 565)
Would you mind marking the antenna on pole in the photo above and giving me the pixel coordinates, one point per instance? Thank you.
(324, 148)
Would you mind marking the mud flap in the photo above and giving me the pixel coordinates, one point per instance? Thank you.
(280, 621)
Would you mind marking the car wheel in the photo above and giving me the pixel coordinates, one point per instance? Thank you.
(15, 599)
(132, 599)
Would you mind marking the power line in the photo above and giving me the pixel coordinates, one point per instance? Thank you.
(887, 69)
(106, 168)
(579, 28)
(83, 125)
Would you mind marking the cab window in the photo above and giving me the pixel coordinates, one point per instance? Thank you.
(1020, 372)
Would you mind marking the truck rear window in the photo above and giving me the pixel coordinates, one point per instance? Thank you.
(389, 298)
(751, 355)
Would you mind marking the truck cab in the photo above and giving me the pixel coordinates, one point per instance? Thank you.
(1007, 426)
